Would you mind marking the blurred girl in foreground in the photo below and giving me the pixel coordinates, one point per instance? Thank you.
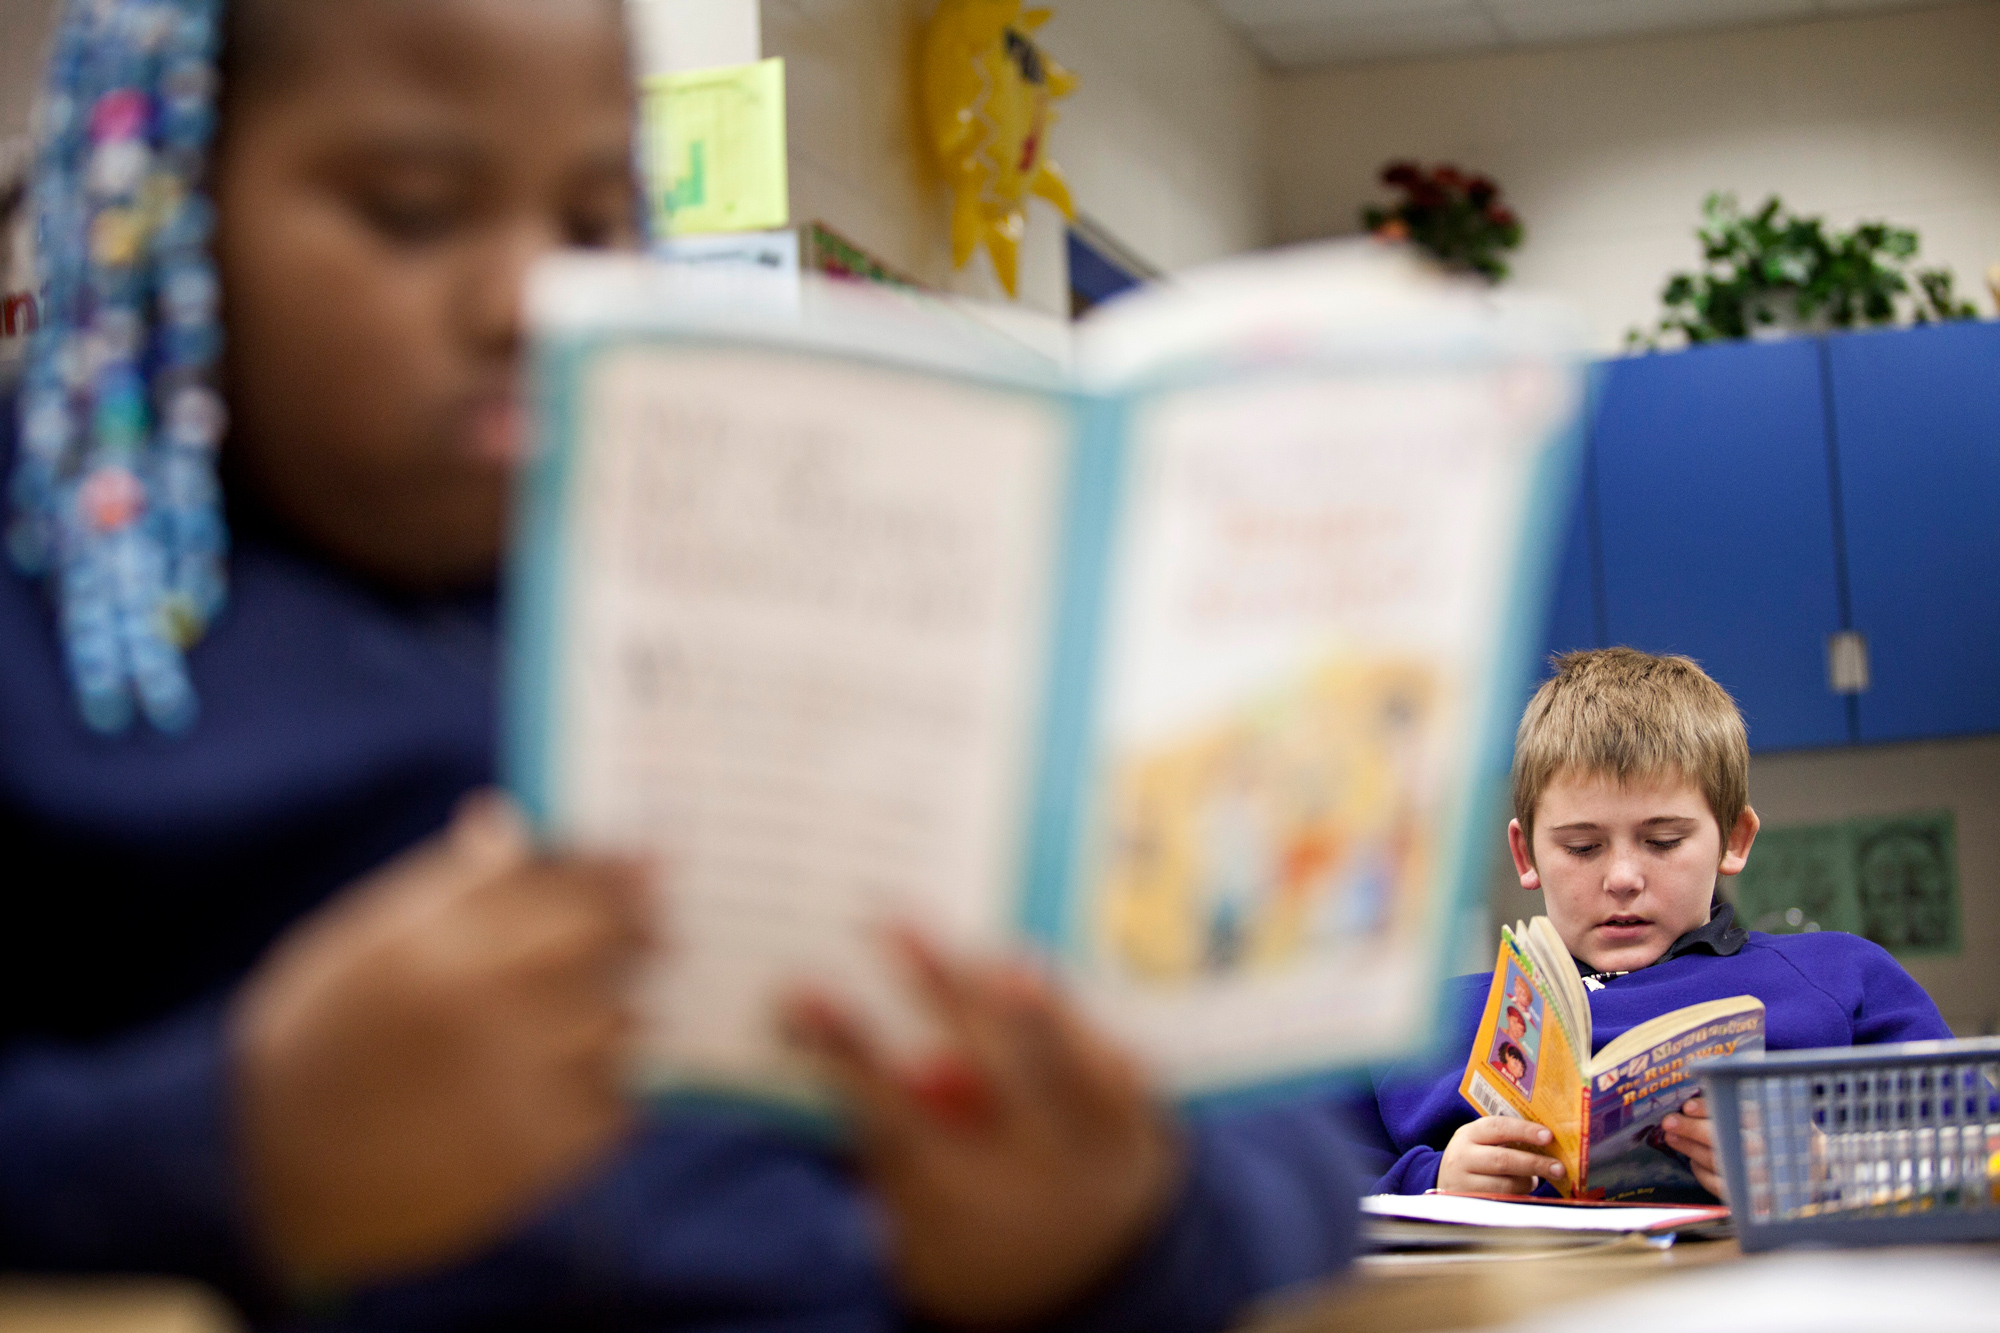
(290, 1006)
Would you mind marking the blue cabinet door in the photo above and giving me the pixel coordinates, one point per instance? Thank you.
(1573, 601)
(1715, 511)
(1917, 418)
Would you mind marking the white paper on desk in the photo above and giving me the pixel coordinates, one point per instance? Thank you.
(1461, 1211)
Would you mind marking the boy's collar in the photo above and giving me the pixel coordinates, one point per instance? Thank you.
(1720, 936)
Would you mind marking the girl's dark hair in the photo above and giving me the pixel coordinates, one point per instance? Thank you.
(263, 40)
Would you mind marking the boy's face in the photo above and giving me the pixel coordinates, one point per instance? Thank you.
(381, 198)
(1625, 870)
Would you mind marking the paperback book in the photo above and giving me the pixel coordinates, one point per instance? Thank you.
(1531, 1058)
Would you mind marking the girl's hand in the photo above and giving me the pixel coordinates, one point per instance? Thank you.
(1019, 1168)
(423, 1061)
(1478, 1160)
(1693, 1133)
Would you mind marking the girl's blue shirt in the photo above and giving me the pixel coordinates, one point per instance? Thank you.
(1826, 989)
(340, 725)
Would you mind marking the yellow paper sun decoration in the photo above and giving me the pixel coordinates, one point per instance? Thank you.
(989, 94)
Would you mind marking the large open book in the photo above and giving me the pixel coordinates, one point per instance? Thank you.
(1531, 1058)
(1190, 668)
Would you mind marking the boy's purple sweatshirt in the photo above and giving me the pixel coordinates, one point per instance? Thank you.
(1824, 989)
(339, 725)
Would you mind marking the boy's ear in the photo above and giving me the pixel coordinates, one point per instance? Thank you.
(1736, 851)
(1524, 857)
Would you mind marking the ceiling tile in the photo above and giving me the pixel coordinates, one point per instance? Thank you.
(1543, 22)
(1867, 6)
(1259, 13)
(1299, 34)
(1302, 45)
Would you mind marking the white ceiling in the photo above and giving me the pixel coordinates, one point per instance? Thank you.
(1301, 34)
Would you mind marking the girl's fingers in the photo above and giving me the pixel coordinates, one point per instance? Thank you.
(937, 981)
(1090, 1084)
(857, 1067)
(954, 1092)
(489, 831)
(977, 1027)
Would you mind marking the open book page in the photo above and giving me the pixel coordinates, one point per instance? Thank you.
(1291, 681)
(1547, 946)
(1648, 1074)
(1522, 1063)
(801, 652)
(1544, 956)
(1314, 572)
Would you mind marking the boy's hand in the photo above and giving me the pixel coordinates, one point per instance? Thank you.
(1478, 1160)
(428, 1057)
(1020, 1168)
(1693, 1133)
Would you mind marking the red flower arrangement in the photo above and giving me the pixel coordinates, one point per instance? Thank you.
(1456, 216)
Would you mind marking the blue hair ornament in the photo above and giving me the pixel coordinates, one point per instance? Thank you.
(114, 492)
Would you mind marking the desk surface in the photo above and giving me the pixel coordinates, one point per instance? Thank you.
(1419, 1294)
(1409, 1295)
(1383, 1295)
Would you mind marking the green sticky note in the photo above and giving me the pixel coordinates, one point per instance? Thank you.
(1893, 879)
(715, 149)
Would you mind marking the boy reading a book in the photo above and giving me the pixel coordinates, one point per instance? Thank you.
(288, 1007)
(1631, 796)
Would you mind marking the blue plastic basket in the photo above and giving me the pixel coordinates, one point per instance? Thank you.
(1868, 1145)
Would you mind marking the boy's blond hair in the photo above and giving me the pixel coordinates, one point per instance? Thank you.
(1628, 715)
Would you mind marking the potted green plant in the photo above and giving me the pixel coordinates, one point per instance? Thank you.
(1457, 216)
(1772, 273)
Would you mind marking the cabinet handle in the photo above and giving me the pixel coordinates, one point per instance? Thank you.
(1847, 662)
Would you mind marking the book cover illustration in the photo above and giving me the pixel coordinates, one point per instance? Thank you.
(1518, 1039)
(1629, 1155)
(1522, 1061)
(1290, 828)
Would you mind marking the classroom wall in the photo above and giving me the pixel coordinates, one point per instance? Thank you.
(1162, 143)
(1608, 149)
(24, 29)
(1963, 776)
